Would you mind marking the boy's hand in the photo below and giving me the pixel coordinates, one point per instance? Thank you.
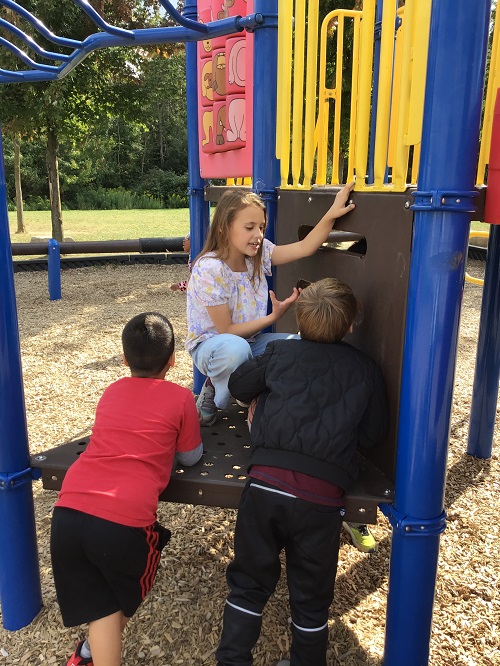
(280, 307)
(341, 206)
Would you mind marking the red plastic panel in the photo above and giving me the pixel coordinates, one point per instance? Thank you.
(492, 206)
(225, 75)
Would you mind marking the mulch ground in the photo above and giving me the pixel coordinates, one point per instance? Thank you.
(71, 352)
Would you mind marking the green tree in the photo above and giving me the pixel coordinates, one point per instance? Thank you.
(106, 83)
(164, 111)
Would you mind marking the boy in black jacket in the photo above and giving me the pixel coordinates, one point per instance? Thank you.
(318, 399)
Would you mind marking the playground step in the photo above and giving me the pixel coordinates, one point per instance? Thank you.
(220, 476)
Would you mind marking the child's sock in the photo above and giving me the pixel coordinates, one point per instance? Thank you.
(85, 650)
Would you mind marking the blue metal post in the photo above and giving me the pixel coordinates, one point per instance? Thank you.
(199, 209)
(487, 372)
(20, 590)
(265, 166)
(54, 269)
(376, 73)
(452, 111)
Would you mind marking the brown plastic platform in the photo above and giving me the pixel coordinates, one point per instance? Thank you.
(218, 479)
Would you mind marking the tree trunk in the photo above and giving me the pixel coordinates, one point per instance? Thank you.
(21, 229)
(55, 192)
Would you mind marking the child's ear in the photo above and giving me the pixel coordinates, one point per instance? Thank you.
(125, 361)
(171, 361)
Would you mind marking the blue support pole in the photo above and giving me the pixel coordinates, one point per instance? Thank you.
(450, 139)
(199, 209)
(54, 269)
(375, 79)
(20, 590)
(265, 166)
(487, 372)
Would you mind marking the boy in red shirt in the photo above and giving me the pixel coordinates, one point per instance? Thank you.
(105, 540)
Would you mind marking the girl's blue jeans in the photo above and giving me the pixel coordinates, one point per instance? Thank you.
(220, 355)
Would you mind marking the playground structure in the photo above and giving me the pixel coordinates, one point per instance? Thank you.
(410, 287)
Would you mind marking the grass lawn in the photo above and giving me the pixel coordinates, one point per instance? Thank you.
(86, 225)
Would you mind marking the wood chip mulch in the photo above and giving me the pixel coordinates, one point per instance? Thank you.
(71, 352)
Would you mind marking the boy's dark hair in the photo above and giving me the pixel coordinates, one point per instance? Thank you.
(148, 343)
(326, 310)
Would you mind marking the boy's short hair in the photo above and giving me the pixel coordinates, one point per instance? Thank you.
(326, 310)
(148, 343)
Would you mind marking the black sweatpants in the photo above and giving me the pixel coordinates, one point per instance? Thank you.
(269, 521)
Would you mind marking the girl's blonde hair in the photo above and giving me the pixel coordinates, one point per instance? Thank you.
(229, 205)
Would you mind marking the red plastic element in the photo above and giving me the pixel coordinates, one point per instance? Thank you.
(492, 204)
(225, 75)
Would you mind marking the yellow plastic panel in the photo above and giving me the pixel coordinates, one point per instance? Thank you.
(489, 107)
(354, 99)
(364, 91)
(420, 49)
(311, 83)
(298, 90)
(396, 89)
(285, 20)
(384, 92)
(401, 98)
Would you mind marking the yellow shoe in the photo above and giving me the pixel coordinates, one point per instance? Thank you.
(361, 537)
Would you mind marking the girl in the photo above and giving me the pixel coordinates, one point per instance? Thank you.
(227, 293)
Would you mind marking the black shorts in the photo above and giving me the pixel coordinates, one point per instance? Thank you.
(101, 567)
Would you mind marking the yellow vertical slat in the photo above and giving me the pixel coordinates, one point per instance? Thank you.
(311, 82)
(384, 93)
(401, 149)
(420, 50)
(489, 107)
(415, 163)
(323, 107)
(298, 90)
(338, 99)
(396, 89)
(285, 16)
(280, 74)
(365, 88)
(354, 98)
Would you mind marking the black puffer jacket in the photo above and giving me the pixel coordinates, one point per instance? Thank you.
(318, 403)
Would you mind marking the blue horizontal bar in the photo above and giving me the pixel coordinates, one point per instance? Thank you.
(38, 25)
(101, 23)
(29, 41)
(142, 36)
(25, 58)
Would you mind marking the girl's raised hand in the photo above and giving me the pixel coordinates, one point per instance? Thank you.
(280, 307)
(341, 206)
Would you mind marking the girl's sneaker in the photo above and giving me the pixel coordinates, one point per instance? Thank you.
(207, 411)
(77, 660)
(361, 537)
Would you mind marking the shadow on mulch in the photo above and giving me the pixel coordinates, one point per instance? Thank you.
(371, 572)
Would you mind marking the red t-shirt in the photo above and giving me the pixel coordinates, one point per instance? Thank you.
(140, 423)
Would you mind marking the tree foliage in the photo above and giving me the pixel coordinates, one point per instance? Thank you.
(96, 120)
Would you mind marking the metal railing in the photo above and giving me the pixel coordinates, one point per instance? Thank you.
(387, 90)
